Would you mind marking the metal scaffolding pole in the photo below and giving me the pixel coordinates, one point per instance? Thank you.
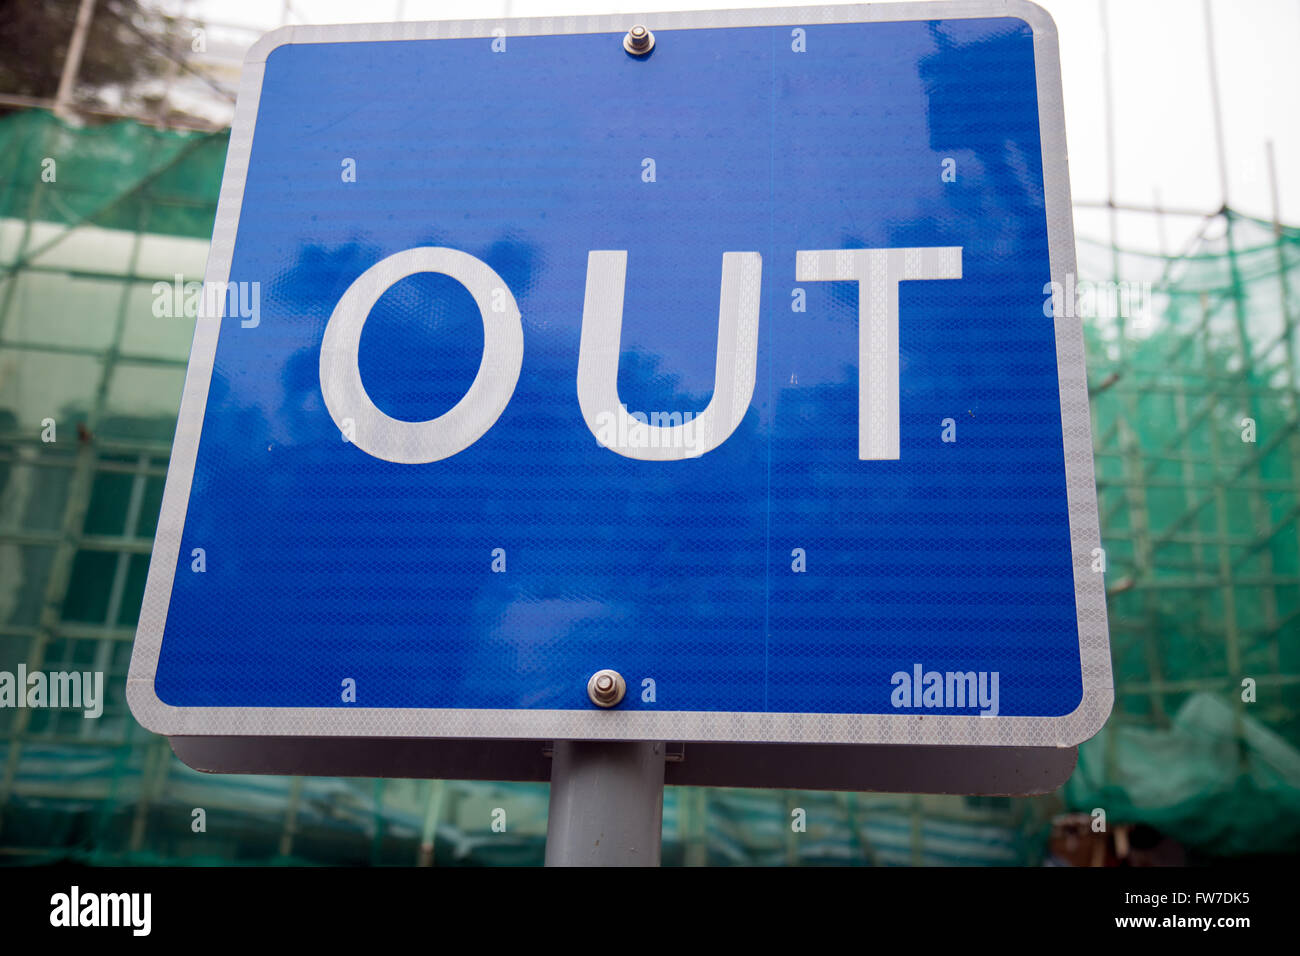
(1216, 108)
(72, 63)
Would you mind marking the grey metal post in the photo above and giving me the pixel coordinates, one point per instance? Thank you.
(607, 804)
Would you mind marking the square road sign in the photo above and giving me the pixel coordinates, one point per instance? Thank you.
(732, 365)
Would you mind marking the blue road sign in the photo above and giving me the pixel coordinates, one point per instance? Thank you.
(734, 367)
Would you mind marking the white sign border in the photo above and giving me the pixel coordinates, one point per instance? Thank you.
(595, 724)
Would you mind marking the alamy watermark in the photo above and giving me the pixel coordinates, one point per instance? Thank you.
(1084, 299)
(950, 690)
(240, 300)
(75, 690)
(131, 911)
(627, 430)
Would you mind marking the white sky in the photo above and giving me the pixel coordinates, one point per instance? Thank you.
(1163, 121)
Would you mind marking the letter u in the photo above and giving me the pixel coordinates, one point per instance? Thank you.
(734, 371)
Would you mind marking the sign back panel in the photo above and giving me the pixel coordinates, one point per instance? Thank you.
(732, 367)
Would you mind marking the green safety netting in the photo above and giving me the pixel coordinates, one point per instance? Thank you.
(1195, 400)
(1199, 522)
(121, 176)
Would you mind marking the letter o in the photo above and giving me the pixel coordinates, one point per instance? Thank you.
(416, 443)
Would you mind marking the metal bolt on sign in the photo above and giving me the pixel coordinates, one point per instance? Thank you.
(606, 688)
(639, 41)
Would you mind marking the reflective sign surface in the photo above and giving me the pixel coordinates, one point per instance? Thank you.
(506, 465)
